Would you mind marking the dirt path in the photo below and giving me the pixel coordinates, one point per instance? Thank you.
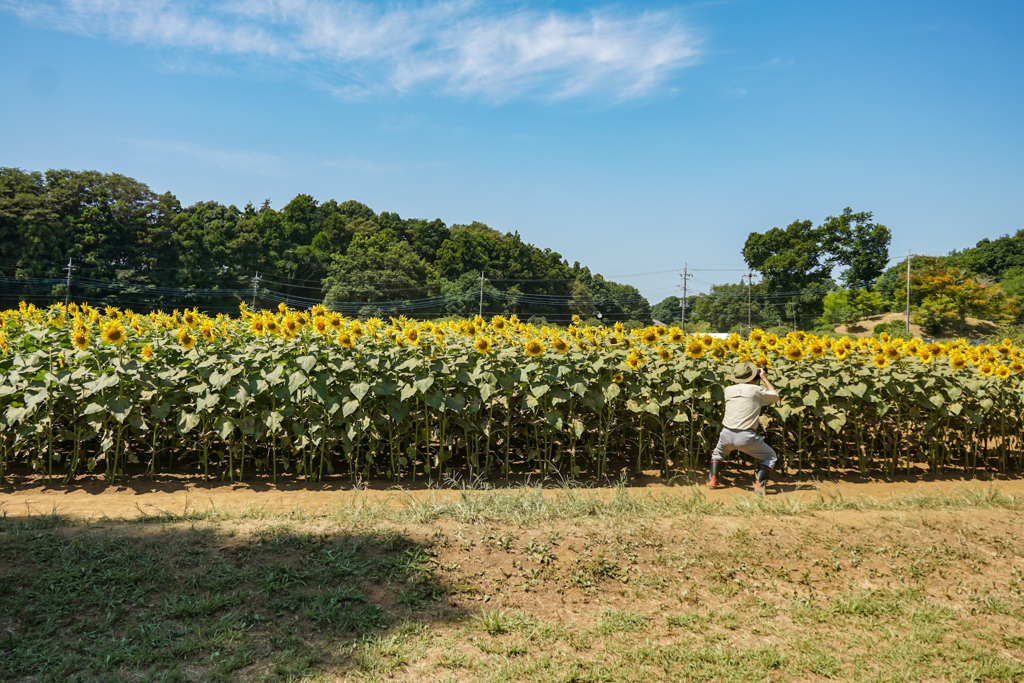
(92, 498)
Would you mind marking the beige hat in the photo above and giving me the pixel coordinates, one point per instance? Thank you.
(744, 372)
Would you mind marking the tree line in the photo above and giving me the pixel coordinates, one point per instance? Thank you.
(115, 229)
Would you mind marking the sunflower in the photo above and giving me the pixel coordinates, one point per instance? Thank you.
(675, 335)
(718, 351)
(189, 317)
(575, 319)
(80, 339)
(345, 339)
(271, 325)
(925, 356)
(513, 320)
(734, 342)
(957, 362)
(320, 325)
(619, 328)
(756, 335)
(762, 361)
(986, 369)
(842, 354)
(112, 313)
(290, 327)
(771, 339)
(634, 360)
(334, 321)
(534, 348)
(892, 353)
(282, 307)
(257, 326)
(186, 340)
(1016, 366)
(816, 349)
(649, 335)
(483, 345)
(618, 378)
(663, 353)
(206, 329)
(880, 361)
(498, 322)
(794, 352)
(695, 349)
(412, 334)
(147, 352)
(884, 337)
(1003, 372)
(113, 333)
(559, 344)
(319, 311)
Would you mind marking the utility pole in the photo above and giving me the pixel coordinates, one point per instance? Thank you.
(67, 286)
(682, 304)
(908, 291)
(481, 311)
(750, 280)
(255, 286)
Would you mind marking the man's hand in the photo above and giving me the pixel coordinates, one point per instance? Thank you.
(763, 374)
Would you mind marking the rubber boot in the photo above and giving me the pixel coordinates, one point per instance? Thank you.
(761, 483)
(716, 466)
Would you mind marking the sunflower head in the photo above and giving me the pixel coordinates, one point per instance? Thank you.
(634, 360)
(884, 336)
(345, 339)
(559, 344)
(794, 352)
(618, 378)
(816, 348)
(892, 353)
(534, 348)
(147, 352)
(319, 311)
(619, 328)
(206, 329)
(695, 349)
(186, 340)
(986, 369)
(925, 356)
(80, 339)
(412, 334)
(282, 308)
(113, 333)
(663, 353)
(957, 362)
(1002, 372)
(112, 313)
(189, 317)
(256, 325)
(498, 322)
(483, 345)
(1016, 366)
(880, 361)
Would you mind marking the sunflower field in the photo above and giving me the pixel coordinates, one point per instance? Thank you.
(311, 393)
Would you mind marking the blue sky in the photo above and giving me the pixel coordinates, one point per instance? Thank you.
(633, 137)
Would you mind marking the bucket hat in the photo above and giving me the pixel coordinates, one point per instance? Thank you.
(744, 372)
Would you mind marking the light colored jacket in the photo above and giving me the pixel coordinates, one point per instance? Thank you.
(743, 403)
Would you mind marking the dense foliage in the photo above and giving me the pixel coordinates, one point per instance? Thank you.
(314, 392)
(131, 247)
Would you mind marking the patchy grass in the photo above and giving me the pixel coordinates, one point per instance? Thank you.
(520, 585)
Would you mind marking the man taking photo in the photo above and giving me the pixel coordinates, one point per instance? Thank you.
(743, 403)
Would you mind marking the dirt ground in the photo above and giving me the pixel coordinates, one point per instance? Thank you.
(91, 497)
(975, 329)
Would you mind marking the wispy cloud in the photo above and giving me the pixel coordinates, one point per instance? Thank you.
(240, 161)
(357, 49)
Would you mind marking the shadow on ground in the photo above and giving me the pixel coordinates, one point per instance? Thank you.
(163, 601)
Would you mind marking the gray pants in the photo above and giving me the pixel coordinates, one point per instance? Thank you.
(746, 441)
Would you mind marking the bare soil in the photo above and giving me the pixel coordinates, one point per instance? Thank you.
(976, 328)
(92, 497)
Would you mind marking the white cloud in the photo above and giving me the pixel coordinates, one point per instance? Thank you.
(357, 49)
(240, 161)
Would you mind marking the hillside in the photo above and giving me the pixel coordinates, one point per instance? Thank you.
(129, 246)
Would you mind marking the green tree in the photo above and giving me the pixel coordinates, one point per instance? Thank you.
(376, 269)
